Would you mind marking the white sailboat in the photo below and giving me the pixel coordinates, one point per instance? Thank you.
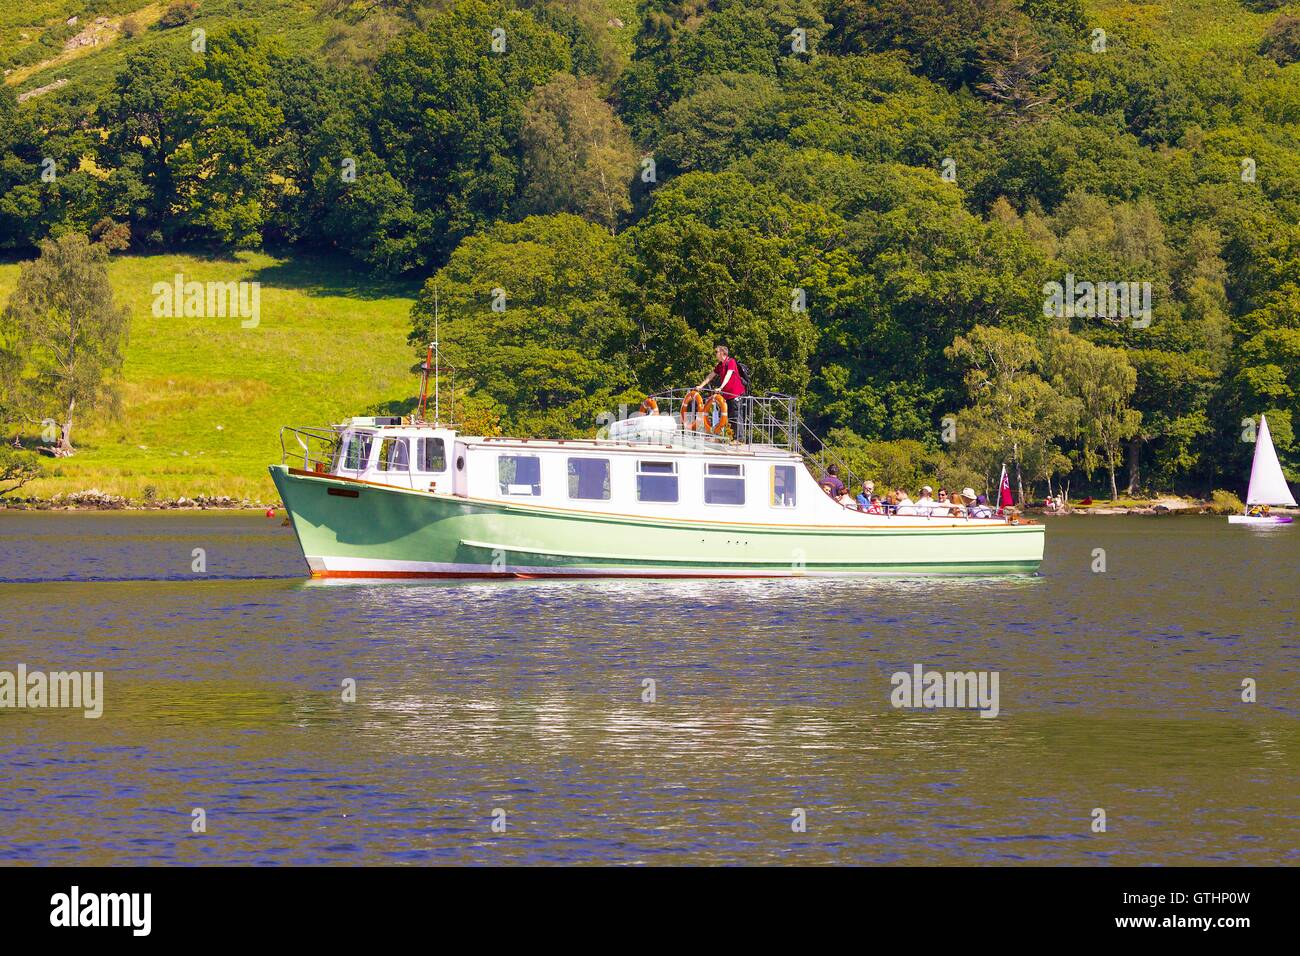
(1267, 484)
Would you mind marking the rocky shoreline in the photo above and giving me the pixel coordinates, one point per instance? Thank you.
(96, 500)
(1155, 507)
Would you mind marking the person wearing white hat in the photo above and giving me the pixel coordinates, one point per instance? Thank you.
(925, 503)
(968, 499)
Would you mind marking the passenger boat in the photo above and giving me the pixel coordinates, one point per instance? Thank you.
(665, 492)
(1267, 484)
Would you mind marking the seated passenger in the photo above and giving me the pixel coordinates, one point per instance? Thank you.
(925, 504)
(982, 509)
(903, 504)
(864, 497)
(966, 498)
(945, 506)
(831, 484)
(875, 507)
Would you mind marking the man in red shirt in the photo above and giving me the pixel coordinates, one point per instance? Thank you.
(730, 384)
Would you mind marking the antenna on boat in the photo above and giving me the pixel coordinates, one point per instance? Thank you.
(432, 360)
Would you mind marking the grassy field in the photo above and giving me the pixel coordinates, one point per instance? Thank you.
(295, 22)
(203, 399)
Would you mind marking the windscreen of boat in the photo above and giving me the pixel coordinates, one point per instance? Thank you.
(356, 450)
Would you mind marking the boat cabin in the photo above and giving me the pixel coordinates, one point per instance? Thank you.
(648, 464)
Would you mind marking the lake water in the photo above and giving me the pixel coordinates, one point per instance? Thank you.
(223, 691)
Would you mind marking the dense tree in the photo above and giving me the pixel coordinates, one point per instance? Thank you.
(44, 187)
(1015, 415)
(732, 36)
(324, 158)
(943, 38)
(143, 132)
(726, 117)
(67, 332)
(530, 322)
(871, 107)
(718, 259)
(1102, 381)
(228, 118)
(577, 156)
(448, 110)
(1039, 165)
(589, 27)
(927, 270)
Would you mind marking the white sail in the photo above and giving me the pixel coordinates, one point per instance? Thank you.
(1267, 486)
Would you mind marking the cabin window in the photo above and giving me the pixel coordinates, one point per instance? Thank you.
(589, 478)
(724, 484)
(433, 454)
(656, 481)
(357, 453)
(783, 486)
(520, 474)
(393, 455)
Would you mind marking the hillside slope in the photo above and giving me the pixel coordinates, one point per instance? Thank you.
(37, 62)
(203, 399)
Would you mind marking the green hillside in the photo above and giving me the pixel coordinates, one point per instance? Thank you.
(204, 399)
(881, 206)
(33, 35)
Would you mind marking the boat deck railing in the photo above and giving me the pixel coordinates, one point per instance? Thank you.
(317, 447)
(770, 421)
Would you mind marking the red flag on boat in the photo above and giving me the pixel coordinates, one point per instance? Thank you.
(1004, 490)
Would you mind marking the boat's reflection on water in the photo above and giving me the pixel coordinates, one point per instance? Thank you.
(449, 725)
(708, 588)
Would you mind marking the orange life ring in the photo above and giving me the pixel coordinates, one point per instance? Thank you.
(649, 406)
(692, 405)
(715, 399)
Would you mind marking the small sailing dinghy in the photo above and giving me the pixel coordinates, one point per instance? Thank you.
(1267, 484)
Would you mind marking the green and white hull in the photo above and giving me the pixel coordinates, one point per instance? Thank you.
(353, 528)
